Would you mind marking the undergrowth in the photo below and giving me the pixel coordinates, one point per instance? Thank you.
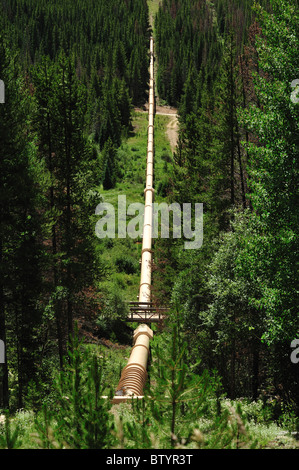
(181, 409)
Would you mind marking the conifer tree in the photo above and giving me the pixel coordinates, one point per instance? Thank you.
(228, 152)
(24, 181)
(70, 160)
(109, 165)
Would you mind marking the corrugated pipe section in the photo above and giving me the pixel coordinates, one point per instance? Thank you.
(133, 377)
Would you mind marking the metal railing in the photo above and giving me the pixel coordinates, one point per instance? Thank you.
(146, 312)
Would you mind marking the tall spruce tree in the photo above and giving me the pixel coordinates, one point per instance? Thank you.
(23, 182)
(71, 163)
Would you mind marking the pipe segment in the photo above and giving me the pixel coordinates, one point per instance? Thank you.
(133, 377)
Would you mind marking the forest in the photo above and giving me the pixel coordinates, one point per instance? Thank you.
(224, 365)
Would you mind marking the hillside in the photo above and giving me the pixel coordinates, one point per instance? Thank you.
(115, 106)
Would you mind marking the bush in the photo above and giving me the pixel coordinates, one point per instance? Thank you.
(163, 187)
(81, 418)
(127, 264)
(113, 313)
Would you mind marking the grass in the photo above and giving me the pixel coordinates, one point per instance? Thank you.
(132, 162)
(267, 435)
(254, 426)
(153, 6)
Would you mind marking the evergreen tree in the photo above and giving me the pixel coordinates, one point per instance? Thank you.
(71, 163)
(23, 183)
(109, 165)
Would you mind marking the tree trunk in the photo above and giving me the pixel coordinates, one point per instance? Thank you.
(232, 143)
(241, 174)
(54, 246)
(255, 371)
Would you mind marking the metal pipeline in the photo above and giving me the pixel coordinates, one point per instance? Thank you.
(133, 376)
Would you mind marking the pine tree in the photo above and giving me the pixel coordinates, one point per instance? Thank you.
(82, 420)
(71, 163)
(23, 186)
(109, 165)
(175, 396)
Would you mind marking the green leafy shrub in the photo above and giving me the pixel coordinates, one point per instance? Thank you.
(163, 187)
(81, 419)
(9, 438)
(127, 264)
(112, 315)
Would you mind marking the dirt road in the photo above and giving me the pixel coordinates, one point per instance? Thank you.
(172, 126)
(172, 131)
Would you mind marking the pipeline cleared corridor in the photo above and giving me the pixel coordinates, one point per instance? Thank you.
(134, 375)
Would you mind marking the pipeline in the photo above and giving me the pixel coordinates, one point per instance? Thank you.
(134, 375)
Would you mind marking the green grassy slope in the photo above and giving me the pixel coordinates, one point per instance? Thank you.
(132, 162)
